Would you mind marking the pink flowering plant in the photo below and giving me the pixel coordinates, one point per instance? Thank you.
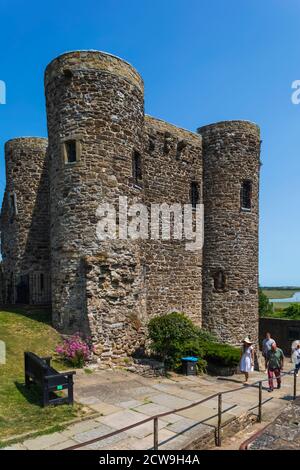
(75, 350)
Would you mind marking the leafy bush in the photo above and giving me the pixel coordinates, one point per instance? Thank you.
(265, 307)
(222, 354)
(292, 312)
(75, 351)
(174, 336)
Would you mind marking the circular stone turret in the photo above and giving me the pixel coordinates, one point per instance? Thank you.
(25, 218)
(231, 159)
(95, 110)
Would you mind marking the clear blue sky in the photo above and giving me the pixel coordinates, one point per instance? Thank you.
(202, 61)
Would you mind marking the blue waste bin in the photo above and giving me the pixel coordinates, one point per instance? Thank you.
(189, 365)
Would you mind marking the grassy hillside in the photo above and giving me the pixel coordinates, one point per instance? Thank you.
(280, 293)
(20, 409)
(273, 293)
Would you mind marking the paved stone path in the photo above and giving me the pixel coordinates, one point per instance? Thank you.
(123, 398)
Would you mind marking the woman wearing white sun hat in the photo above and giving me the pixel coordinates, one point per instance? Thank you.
(247, 359)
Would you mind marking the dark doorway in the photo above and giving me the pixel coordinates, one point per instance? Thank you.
(23, 290)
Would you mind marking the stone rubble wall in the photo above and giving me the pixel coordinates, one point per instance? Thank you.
(97, 287)
(109, 290)
(173, 274)
(25, 233)
(231, 154)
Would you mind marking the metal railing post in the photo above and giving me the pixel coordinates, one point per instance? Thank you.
(219, 438)
(295, 384)
(155, 433)
(260, 402)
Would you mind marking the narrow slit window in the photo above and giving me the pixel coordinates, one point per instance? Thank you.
(246, 195)
(13, 204)
(70, 151)
(137, 168)
(219, 280)
(181, 146)
(195, 195)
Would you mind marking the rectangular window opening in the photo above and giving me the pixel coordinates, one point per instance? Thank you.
(13, 204)
(137, 168)
(246, 195)
(70, 151)
(195, 195)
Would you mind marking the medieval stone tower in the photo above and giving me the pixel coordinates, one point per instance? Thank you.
(101, 147)
(25, 222)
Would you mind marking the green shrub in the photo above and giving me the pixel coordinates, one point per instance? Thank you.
(173, 336)
(222, 354)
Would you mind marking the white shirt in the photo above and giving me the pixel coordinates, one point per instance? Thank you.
(267, 345)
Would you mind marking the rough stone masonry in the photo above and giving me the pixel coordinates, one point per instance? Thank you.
(100, 146)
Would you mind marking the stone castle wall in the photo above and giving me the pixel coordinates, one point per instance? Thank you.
(231, 155)
(172, 161)
(98, 101)
(110, 289)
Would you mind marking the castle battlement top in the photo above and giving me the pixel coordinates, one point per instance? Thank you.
(229, 124)
(15, 148)
(94, 60)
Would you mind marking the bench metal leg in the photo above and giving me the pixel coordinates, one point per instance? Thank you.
(45, 396)
(70, 392)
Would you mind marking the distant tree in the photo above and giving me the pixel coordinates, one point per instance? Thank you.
(292, 312)
(265, 306)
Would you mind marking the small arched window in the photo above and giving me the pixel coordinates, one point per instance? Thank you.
(219, 280)
(246, 194)
(137, 168)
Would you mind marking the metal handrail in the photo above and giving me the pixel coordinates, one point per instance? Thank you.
(211, 397)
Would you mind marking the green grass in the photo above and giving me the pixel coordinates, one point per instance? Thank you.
(280, 293)
(273, 293)
(20, 408)
(278, 306)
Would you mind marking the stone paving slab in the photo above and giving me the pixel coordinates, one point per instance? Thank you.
(199, 413)
(170, 401)
(179, 392)
(99, 431)
(80, 427)
(171, 418)
(62, 445)
(183, 425)
(122, 419)
(45, 441)
(130, 404)
(152, 409)
(145, 429)
(105, 408)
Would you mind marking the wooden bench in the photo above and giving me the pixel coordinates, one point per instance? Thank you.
(39, 371)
